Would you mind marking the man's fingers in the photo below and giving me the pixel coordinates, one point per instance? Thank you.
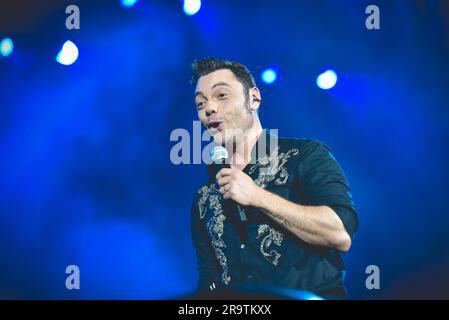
(224, 180)
(223, 172)
(225, 188)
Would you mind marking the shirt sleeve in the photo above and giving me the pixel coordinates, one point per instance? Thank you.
(206, 261)
(322, 182)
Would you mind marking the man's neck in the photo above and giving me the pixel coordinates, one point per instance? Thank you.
(241, 153)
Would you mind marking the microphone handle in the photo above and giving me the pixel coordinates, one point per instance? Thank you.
(242, 213)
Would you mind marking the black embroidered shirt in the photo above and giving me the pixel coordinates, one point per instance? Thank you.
(259, 251)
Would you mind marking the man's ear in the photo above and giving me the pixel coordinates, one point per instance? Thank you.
(255, 98)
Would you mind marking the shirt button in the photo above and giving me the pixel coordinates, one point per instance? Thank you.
(242, 246)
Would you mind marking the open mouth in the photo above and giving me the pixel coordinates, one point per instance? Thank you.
(214, 125)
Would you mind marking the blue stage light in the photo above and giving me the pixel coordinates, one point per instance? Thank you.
(312, 296)
(128, 3)
(6, 47)
(68, 54)
(327, 80)
(269, 76)
(191, 7)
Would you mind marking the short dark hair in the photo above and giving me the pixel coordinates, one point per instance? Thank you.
(205, 66)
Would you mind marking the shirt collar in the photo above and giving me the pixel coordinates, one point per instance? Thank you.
(260, 149)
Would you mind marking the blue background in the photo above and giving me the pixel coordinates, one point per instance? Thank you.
(85, 171)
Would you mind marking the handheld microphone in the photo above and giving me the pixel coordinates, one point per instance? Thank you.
(219, 155)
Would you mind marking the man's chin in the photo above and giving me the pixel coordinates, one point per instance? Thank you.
(228, 137)
(219, 139)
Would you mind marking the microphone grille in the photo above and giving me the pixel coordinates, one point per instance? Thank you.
(218, 154)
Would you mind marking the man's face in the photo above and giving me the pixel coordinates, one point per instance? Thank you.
(222, 105)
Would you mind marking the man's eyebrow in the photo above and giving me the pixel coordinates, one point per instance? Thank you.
(221, 84)
(199, 93)
(215, 85)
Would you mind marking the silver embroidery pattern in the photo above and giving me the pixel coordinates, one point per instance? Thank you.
(269, 167)
(204, 191)
(273, 236)
(276, 163)
(215, 227)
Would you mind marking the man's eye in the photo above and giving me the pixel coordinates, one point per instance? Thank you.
(200, 105)
(222, 95)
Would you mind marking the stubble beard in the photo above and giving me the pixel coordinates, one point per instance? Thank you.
(234, 138)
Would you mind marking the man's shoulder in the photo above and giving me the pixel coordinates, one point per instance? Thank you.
(305, 148)
(302, 144)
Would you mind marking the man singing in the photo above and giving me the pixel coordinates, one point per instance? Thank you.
(298, 213)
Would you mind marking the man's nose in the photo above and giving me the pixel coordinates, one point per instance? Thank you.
(211, 108)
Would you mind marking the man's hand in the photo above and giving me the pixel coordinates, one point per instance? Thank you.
(238, 186)
(317, 225)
